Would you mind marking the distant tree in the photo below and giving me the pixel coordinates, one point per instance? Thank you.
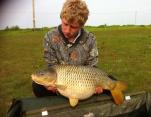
(7, 28)
(14, 28)
(45, 28)
(103, 26)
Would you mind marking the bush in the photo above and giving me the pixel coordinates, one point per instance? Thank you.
(12, 28)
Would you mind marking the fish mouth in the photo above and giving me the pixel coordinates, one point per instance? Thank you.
(33, 77)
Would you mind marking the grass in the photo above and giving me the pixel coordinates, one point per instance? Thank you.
(124, 52)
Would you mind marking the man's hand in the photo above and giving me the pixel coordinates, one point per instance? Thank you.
(98, 90)
(52, 89)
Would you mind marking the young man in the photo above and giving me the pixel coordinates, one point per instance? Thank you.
(69, 43)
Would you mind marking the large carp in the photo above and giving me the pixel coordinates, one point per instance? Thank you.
(79, 82)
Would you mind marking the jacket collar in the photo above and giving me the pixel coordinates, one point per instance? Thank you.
(79, 38)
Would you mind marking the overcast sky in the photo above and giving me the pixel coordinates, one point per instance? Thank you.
(110, 12)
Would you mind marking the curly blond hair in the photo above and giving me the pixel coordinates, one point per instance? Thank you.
(75, 10)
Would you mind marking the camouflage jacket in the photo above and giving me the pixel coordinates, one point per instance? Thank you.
(58, 50)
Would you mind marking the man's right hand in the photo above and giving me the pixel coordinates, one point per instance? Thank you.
(52, 89)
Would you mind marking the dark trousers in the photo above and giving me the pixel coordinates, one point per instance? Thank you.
(41, 91)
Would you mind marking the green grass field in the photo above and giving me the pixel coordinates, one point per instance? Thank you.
(124, 52)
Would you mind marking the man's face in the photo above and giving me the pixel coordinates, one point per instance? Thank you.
(70, 30)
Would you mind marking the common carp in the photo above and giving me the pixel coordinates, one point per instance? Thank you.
(79, 82)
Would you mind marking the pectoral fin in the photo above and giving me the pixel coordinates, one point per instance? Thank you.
(61, 87)
(73, 101)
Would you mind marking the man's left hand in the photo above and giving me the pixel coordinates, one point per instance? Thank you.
(98, 90)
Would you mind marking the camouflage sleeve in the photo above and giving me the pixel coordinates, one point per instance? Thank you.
(49, 53)
(93, 54)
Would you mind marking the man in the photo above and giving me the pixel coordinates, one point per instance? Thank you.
(69, 43)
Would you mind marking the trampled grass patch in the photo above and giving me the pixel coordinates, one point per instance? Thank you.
(124, 52)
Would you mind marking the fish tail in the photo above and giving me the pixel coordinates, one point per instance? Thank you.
(117, 94)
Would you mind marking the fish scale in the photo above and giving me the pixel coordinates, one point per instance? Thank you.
(79, 82)
(76, 81)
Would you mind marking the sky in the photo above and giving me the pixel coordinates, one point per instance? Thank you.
(109, 12)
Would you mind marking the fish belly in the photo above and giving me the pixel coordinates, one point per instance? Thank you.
(79, 93)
